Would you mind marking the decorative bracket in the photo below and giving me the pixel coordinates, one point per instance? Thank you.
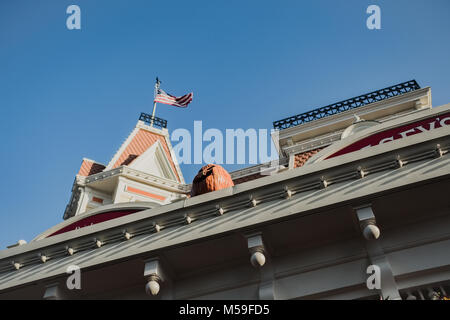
(257, 250)
(259, 258)
(367, 222)
(155, 276)
(377, 257)
(53, 292)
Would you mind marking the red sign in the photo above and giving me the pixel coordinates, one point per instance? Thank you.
(89, 221)
(396, 133)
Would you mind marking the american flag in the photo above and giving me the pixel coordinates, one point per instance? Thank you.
(183, 101)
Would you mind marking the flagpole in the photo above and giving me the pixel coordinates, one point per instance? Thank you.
(154, 102)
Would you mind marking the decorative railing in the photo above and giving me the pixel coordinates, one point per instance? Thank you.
(348, 104)
(153, 121)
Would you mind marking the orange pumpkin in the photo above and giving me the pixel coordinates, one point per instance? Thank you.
(209, 178)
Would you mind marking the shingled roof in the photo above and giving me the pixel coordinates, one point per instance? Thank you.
(139, 141)
(89, 167)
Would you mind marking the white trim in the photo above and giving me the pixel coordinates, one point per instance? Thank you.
(174, 159)
(244, 172)
(122, 149)
(389, 124)
(146, 178)
(314, 143)
(361, 112)
(93, 212)
(90, 160)
(157, 153)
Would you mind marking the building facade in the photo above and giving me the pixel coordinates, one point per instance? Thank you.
(360, 193)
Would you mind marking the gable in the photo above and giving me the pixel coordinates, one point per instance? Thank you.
(154, 161)
(139, 141)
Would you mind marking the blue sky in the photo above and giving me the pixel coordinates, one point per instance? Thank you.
(67, 94)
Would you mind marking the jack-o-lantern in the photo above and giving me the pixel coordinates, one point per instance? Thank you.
(209, 178)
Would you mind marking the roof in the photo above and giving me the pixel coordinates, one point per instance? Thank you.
(139, 141)
(301, 158)
(309, 195)
(89, 167)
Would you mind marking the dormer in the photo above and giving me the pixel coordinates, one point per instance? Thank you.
(143, 169)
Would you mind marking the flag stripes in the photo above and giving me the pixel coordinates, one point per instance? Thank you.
(182, 102)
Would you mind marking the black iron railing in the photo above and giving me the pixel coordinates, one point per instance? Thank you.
(153, 121)
(348, 104)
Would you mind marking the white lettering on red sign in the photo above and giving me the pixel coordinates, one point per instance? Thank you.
(396, 133)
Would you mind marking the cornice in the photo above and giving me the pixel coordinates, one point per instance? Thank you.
(386, 125)
(314, 143)
(257, 168)
(330, 138)
(361, 111)
(249, 196)
(125, 171)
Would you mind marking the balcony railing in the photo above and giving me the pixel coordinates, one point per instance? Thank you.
(348, 104)
(153, 121)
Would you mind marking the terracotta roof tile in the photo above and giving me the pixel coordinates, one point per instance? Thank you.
(301, 158)
(89, 167)
(139, 144)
